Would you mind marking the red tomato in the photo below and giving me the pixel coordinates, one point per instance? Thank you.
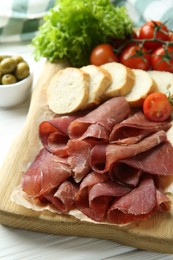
(162, 59)
(102, 54)
(135, 57)
(171, 37)
(147, 31)
(156, 107)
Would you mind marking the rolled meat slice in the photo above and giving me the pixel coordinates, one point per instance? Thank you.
(63, 198)
(125, 174)
(136, 205)
(46, 172)
(98, 123)
(78, 158)
(135, 128)
(157, 161)
(82, 196)
(104, 156)
(96, 194)
(53, 134)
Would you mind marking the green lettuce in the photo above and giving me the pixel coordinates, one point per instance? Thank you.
(74, 27)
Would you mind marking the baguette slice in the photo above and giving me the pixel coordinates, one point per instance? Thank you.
(100, 80)
(68, 91)
(163, 80)
(122, 79)
(143, 86)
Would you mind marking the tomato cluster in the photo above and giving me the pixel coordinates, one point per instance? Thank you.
(149, 49)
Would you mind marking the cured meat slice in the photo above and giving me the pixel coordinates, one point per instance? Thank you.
(96, 194)
(99, 122)
(54, 135)
(157, 160)
(82, 200)
(163, 202)
(78, 158)
(64, 197)
(125, 174)
(136, 205)
(135, 128)
(46, 172)
(104, 156)
(101, 196)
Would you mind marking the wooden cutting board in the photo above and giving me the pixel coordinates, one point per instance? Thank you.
(155, 234)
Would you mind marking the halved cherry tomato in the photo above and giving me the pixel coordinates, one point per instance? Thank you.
(156, 107)
(151, 29)
(162, 59)
(135, 57)
(102, 54)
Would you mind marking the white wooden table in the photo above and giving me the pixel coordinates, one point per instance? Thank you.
(16, 244)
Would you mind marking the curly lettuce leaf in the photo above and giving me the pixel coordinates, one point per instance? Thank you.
(74, 27)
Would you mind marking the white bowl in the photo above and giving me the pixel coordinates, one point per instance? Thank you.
(14, 94)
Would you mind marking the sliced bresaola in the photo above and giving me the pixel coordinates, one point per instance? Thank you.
(99, 122)
(104, 156)
(136, 205)
(63, 198)
(135, 128)
(46, 172)
(96, 194)
(78, 158)
(82, 200)
(54, 135)
(163, 202)
(125, 174)
(158, 160)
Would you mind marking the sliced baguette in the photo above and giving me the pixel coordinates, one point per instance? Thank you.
(143, 86)
(163, 80)
(100, 80)
(122, 79)
(68, 91)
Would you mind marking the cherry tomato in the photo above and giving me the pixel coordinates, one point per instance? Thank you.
(135, 57)
(102, 54)
(147, 31)
(171, 37)
(156, 107)
(162, 59)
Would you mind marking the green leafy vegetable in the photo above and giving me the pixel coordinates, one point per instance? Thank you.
(74, 27)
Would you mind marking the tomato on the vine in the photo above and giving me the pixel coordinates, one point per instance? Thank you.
(102, 54)
(135, 57)
(151, 29)
(156, 107)
(162, 59)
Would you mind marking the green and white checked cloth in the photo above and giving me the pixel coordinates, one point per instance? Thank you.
(20, 19)
(145, 10)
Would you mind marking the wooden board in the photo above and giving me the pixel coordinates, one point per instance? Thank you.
(155, 234)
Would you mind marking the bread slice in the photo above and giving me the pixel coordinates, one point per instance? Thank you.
(100, 80)
(143, 86)
(68, 91)
(163, 80)
(122, 79)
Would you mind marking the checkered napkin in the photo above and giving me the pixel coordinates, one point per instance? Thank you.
(145, 10)
(20, 19)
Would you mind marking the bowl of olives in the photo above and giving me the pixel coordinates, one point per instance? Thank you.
(15, 80)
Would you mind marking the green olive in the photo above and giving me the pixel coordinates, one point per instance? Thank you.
(8, 79)
(7, 65)
(1, 77)
(1, 58)
(17, 58)
(22, 70)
